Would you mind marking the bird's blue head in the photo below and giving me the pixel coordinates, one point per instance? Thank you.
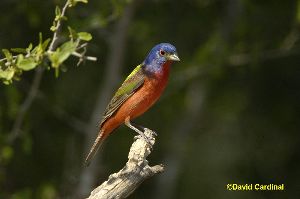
(159, 55)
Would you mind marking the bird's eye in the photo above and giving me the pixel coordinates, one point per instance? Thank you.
(162, 52)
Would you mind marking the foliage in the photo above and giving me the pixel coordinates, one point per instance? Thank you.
(19, 60)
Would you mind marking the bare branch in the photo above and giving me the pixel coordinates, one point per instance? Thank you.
(26, 104)
(136, 170)
(81, 56)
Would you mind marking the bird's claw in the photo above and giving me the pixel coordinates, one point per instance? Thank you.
(141, 131)
(153, 132)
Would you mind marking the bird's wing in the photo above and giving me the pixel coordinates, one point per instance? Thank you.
(134, 81)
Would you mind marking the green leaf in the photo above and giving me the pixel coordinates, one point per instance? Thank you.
(66, 50)
(58, 17)
(73, 33)
(74, 2)
(7, 54)
(53, 28)
(62, 53)
(82, 1)
(40, 38)
(45, 44)
(85, 36)
(29, 48)
(39, 50)
(26, 63)
(7, 74)
(57, 13)
(19, 50)
(6, 82)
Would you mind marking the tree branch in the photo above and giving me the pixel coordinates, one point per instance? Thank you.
(136, 170)
(36, 83)
(26, 104)
(53, 43)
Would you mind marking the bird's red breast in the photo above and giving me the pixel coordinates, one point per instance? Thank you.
(141, 100)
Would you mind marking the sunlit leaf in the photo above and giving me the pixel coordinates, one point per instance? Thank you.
(45, 44)
(29, 48)
(66, 50)
(62, 53)
(7, 54)
(57, 13)
(53, 28)
(73, 33)
(85, 36)
(7, 74)
(74, 2)
(26, 63)
(18, 50)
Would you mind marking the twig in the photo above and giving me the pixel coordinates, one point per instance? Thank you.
(90, 58)
(3, 59)
(26, 104)
(82, 46)
(57, 28)
(35, 84)
(136, 170)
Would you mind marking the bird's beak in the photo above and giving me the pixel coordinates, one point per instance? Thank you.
(173, 57)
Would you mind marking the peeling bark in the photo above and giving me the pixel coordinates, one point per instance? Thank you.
(136, 170)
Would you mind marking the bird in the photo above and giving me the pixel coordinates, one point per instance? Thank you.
(140, 90)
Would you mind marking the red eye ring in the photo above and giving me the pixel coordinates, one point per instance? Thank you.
(162, 52)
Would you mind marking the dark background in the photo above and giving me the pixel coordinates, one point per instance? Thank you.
(230, 113)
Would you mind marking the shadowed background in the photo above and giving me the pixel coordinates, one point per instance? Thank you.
(230, 113)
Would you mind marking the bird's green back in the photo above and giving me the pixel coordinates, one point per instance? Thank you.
(128, 88)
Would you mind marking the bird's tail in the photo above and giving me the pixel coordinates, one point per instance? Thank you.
(100, 138)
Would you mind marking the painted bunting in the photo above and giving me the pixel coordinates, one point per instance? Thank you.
(137, 94)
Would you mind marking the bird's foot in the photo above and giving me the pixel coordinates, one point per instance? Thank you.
(144, 129)
(141, 131)
(153, 132)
